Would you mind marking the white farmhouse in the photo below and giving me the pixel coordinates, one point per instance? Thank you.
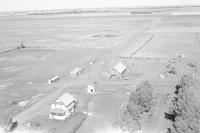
(63, 107)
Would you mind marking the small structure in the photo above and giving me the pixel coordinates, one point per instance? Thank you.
(75, 72)
(181, 56)
(90, 89)
(119, 69)
(63, 107)
(23, 103)
(162, 76)
(54, 79)
(172, 60)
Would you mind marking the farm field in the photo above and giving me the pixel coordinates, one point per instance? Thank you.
(149, 42)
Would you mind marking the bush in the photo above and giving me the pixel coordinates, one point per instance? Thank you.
(172, 70)
(21, 46)
(185, 107)
(129, 118)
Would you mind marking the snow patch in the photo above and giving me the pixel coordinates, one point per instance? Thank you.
(88, 113)
(110, 130)
(116, 130)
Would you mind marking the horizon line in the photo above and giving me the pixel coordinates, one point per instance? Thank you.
(123, 7)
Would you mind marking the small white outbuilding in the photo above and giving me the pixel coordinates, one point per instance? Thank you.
(90, 89)
(54, 79)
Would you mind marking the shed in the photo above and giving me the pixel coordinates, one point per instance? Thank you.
(90, 89)
(120, 68)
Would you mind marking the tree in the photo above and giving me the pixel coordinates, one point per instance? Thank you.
(142, 97)
(185, 107)
(139, 102)
(129, 118)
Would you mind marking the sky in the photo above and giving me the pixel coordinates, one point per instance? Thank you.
(20, 5)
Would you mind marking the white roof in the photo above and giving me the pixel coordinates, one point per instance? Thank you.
(54, 78)
(66, 99)
(120, 67)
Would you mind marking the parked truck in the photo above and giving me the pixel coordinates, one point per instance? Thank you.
(63, 107)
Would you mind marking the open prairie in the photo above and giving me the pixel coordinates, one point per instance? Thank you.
(146, 41)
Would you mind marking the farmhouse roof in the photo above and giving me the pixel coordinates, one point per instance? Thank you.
(66, 99)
